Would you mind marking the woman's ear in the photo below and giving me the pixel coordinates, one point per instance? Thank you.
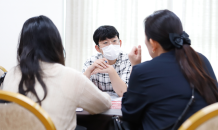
(97, 48)
(120, 43)
(154, 44)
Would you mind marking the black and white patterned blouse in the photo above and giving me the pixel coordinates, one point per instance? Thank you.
(102, 80)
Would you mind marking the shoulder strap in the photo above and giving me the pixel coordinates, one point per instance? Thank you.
(174, 125)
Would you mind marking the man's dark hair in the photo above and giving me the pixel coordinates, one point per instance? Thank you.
(104, 32)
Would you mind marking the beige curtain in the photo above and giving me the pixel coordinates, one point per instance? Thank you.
(199, 18)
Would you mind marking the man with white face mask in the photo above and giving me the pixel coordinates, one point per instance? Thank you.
(110, 69)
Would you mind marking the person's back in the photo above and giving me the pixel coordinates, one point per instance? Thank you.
(42, 76)
(67, 90)
(164, 91)
(159, 90)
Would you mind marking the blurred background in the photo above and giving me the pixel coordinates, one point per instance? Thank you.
(77, 20)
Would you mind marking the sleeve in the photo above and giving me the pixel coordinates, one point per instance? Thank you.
(92, 99)
(86, 65)
(134, 102)
(125, 73)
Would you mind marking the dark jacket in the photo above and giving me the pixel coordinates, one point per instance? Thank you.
(158, 93)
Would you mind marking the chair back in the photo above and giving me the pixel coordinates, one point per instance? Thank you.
(15, 117)
(22, 114)
(2, 71)
(204, 119)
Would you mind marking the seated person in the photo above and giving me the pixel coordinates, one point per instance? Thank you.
(1, 72)
(109, 69)
(160, 89)
(2, 75)
(42, 76)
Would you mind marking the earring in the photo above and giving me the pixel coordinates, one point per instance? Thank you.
(153, 51)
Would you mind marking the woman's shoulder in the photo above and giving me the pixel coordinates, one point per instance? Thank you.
(70, 73)
(203, 58)
(143, 67)
(207, 65)
(12, 79)
(56, 67)
(148, 64)
(205, 61)
(13, 71)
(69, 70)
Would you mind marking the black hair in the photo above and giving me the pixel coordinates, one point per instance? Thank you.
(39, 41)
(157, 27)
(104, 32)
(162, 23)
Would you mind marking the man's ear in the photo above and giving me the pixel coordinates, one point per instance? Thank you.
(97, 48)
(120, 43)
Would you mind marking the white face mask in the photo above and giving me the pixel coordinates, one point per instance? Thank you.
(111, 52)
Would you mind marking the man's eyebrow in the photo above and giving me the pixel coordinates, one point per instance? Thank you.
(103, 41)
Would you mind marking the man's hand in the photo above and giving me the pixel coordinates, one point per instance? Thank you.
(118, 84)
(107, 70)
(135, 55)
(100, 64)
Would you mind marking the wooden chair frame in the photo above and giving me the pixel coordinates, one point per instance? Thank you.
(3, 69)
(200, 117)
(29, 105)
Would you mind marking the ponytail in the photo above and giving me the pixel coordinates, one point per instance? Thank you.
(193, 69)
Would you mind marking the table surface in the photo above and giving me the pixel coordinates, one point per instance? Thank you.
(109, 112)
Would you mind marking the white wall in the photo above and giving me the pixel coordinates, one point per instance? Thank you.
(13, 13)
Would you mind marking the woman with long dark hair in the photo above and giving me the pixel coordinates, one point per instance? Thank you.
(42, 76)
(176, 83)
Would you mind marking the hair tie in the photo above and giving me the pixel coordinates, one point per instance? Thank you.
(178, 40)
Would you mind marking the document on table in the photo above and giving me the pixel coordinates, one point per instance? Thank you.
(116, 102)
(79, 109)
(115, 98)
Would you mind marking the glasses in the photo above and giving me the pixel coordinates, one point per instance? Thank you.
(107, 43)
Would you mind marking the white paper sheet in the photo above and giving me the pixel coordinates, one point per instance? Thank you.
(79, 109)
